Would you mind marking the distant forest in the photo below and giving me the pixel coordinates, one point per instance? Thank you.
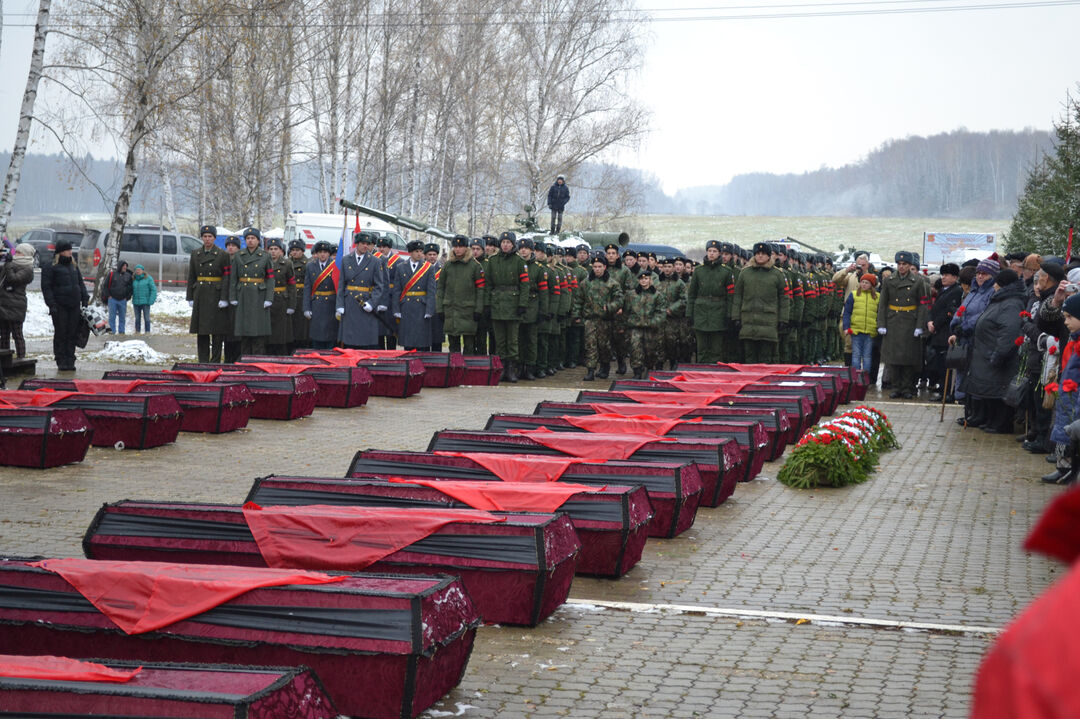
(956, 174)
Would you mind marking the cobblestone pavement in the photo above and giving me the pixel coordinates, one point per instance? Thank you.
(934, 536)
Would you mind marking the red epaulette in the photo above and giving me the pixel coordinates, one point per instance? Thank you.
(226, 271)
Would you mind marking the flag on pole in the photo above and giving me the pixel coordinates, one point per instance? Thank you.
(339, 259)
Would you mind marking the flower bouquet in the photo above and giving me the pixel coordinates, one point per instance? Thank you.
(839, 452)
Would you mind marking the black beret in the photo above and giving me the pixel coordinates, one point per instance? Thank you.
(207, 230)
(232, 240)
(1053, 270)
(363, 236)
(762, 247)
(415, 245)
(297, 245)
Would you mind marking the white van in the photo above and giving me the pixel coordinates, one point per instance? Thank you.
(312, 227)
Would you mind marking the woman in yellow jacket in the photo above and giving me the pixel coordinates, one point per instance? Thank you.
(860, 320)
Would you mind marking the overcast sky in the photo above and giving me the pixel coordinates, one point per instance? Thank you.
(796, 94)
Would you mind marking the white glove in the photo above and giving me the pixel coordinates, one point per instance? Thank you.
(291, 311)
(427, 317)
(398, 315)
(191, 303)
(381, 308)
(881, 330)
(308, 314)
(368, 307)
(918, 333)
(234, 303)
(222, 304)
(339, 312)
(266, 304)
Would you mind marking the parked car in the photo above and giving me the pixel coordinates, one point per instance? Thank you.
(44, 241)
(164, 254)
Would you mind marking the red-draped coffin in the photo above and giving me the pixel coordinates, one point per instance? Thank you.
(138, 421)
(611, 524)
(773, 422)
(858, 380)
(834, 387)
(719, 461)
(397, 374)
(383, 645)
(482, 370)
(812, 393)
(334, 386)
(674, 488)
(516, 572)
(442, 369)
(749, 436)
(173, 691)
(43, 437)
(208, 407)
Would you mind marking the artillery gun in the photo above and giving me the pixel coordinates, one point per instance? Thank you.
(398, 220)
(529, 227)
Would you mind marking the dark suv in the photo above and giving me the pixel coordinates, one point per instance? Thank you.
(44, 240)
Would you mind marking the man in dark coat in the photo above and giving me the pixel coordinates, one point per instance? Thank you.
(389, 257)
(413, 299)
(297, 256)
(65, 294)
(431, 254)
(361, 294)
(557, 197)
(208, 296)
(995, 354)
(251, 292)
(903, 308)
(283, 300)
(941, 314)
(320, 297)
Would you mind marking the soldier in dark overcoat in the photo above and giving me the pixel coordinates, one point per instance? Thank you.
(283, 300)
(208, 296)
(361, 294)
(319, 297)
(251, 291)
(389, 257)
(413, 299)
(431, 254)
(903, 308)
(299, 261)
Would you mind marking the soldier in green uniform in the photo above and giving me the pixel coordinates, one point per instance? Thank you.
(575, 336)
(538, 299)
(283, 302)
(251, 291)
(687, 343)
(546, 323)
(903, 307)
(732, 348)
(787, 345)
(299, 321)
(620, 342)
(459, 296)
(645, 310)
(506, 283)
(761, 306)
(711, 287)
(483, 325)
(562, 312)
(833, 344)
(231, 352)
(599, 300)
(674, 327)
(208, 295)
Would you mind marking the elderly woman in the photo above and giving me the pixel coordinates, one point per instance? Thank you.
(963, 327)
(15, 275)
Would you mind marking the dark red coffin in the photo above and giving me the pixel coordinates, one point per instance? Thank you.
(773, 422)
(334, 386)
(812, 393)
(674, 488)
(138, 421)
(719, 461)
(398, 376)
(482, 370)
(442, 369)
(208, 407)
(859, 380)
(383, 645)
(834, 387)
(43, 437)
(611, 525)
(174, 691)
(516, 572)
(749, 436)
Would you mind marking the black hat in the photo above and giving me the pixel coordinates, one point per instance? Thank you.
(384, 241)
(232, 240)
(297, 245)
(415, 245)
(459, 241)
(762, 247)
(1016, 257)
(665, 261)
(611, 246)
(490, 240)
(951, 268)
(581, 247)
(541, 247)
(1006, 277)
(525, 242)
(61, 246)
(782, 250)
(904, 256)
(970, 263)
(207, 230)
(253, 231)
(363, 236)
(598, 257)
(275, 242)
(476, 242)
(712, 243)
(508, 235)
(629, 253)
(432, 247)
(727, 247)
(323, 246)
(1053, 270)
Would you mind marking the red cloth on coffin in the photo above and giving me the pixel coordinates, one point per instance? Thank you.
(504, 496)
(630, 409)
(521, 467)
(33, 398)
(273, 368)
(333, 360)
(770, 368)
(624, 424)
(718, 376)
(349, 538)
(1057, 533)
(143, 596)
(372, 354)
(61, 669)
(732, 386)
(121, 386)
(688, 399)
(195, 375)
(592, 445)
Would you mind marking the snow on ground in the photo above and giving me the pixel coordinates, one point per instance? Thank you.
(170, 303)
(130, 352)
(37, 323)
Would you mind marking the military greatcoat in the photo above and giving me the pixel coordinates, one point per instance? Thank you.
(320, 299)
(363, 283)
(208, 284)
(284, 298)
(413, 302)
(903, 307)
(251, 285)
(460, 295)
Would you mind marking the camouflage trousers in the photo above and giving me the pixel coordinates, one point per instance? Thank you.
(644, 347)
(673, 339)
(620, 339)
(598, 342)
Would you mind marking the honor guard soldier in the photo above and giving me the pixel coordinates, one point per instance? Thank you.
(562, 312)
(208, 295)
(712, 285)
(251, 291)
(361, 294)
(298, 257)
(546, 325)
(319, 297)
(761, 307)
(506, 282)
(599, 300)
(575, 334)
(413, 300)
(903, 308)
(674, 327)
(483, 324)
(231, 352)
(732, 348)
(283, 305)
(620, 341)
(389, 258)
(788, 343)
(645, 312)
(537, 305)
(459, 295)
(431, 254)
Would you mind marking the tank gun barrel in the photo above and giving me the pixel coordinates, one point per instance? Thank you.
(399, 220)
(606, 238)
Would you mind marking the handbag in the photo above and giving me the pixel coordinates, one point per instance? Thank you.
(1018, 392)
(957, 356)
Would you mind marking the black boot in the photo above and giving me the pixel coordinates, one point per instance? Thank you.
(604, 370)
(527, 374)
(979, 414)
(1057, 475)
(621, 369)
(590, 374)
(511, 376)
(639, 373)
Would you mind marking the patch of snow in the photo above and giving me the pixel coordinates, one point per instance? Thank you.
(38, 323)
(129, 352)
(461, 709)
(170, 303)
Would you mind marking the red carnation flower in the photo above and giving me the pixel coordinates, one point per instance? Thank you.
(960, 311)
(1025, 314)
(1018, 341)
(1068, 386)
(1051, 387)
(849, 331)
(1052, 349)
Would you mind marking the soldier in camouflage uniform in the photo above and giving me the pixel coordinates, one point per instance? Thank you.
(645, 310)
(299, 321)
(459, 295)
(707, 303)
(536, 307)
(674, 327)
(506, 283)
(283, 303)
(620, 342)
(599, 300)
(208, 295)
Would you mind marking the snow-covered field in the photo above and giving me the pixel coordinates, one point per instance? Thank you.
(170, 304)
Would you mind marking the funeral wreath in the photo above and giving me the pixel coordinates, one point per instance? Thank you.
(839, 452)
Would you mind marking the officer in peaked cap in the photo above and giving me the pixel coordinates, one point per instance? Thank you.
(903, 309)
(708, 303)
(362, 294)
(413, 300)
(208, 295)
